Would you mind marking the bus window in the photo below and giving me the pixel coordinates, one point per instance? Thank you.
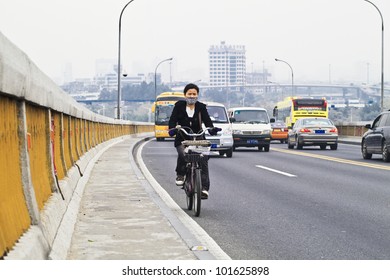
(163, 107)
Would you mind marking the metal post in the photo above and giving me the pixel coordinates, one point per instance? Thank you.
(170, 74)
(119, 62)
(155, 76)
(292, 75)
(383, 46)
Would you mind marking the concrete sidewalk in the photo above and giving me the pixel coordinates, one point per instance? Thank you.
(121, 217)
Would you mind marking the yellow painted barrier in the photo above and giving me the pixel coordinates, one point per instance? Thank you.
(73, 139)
(40, 162)
(90, 134)
(14, 216)
(83, 136)
(66, 142)
(56, 139)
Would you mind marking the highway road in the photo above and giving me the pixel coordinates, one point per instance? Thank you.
(286, 204)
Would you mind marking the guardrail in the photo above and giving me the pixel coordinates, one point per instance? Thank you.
(356, 129)
(46, 140)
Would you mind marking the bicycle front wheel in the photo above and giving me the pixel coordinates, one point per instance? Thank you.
(197, 192)
(190, 201)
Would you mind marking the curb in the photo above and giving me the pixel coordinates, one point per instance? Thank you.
(349, 141)
(196, 238)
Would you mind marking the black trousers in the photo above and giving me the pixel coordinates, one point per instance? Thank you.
(181, 167)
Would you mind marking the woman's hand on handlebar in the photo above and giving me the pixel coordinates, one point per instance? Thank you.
(214, 130)
(172, 132)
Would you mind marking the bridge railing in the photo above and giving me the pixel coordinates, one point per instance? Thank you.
(349, 129)
(45, 136)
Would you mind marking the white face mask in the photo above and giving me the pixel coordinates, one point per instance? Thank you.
(191, 100)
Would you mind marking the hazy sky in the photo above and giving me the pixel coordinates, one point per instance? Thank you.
(321, 39)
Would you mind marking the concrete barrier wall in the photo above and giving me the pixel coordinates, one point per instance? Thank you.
(46, 141)
(356, 129)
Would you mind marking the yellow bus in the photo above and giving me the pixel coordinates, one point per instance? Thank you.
(293, 108)
(162, 109)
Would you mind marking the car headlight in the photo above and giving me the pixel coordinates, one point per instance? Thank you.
(266, 131)
(237, 131)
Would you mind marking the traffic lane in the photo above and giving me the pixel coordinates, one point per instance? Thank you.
(160, 158)
(244, 230)
(327, 209)
(345, 151)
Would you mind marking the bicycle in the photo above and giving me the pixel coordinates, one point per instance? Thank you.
(195, 152)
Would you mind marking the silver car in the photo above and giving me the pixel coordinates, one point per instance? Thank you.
(223, 141)
(313, 132)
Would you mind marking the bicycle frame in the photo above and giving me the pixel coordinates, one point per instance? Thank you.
(194, 153)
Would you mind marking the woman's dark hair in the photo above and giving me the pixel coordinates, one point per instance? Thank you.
(190, 86)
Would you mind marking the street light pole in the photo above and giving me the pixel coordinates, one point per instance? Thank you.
(383, 45)
(119, 62)
(170, 74)
(155, 76)
(292, 75)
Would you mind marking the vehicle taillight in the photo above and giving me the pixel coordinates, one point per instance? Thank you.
(305, 130)
(333, 130)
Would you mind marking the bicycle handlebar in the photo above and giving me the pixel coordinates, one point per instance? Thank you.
(181, 128)
(203, 131)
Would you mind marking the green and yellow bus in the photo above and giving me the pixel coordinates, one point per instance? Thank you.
(162, 109)
(293, 108)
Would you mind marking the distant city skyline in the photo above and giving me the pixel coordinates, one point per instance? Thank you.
(331, 40)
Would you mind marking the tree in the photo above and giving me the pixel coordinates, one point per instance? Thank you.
(369, 112)
(105, 94)
(215, 95)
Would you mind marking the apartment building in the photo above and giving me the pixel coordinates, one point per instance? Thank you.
(227, 65)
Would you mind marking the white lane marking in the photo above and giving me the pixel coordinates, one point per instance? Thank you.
(276, 171)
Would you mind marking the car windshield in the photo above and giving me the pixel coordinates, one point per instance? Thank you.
(217, 114)
(251, 116)
(309, 122)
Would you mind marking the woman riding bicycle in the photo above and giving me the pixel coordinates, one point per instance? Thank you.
(190, 113)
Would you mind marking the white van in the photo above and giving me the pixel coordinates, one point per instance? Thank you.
(251, 127)
(223, 141)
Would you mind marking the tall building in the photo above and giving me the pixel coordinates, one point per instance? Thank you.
(227, 65)
(67, 73)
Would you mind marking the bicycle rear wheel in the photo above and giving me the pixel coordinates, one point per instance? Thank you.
(197, 192)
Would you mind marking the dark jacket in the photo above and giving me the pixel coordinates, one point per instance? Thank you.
(179, 117)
